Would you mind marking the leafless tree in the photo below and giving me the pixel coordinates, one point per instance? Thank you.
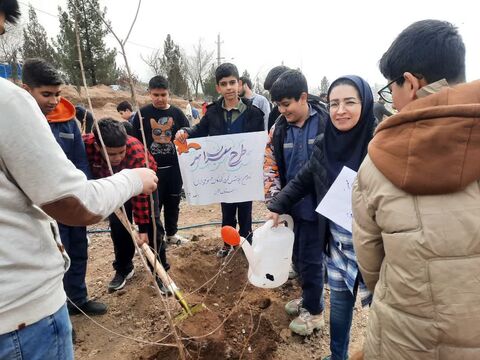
(154, 61)
(11, 47)
(198, 66)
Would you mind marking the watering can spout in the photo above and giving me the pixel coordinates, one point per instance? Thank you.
(232, 237)
(248, 251)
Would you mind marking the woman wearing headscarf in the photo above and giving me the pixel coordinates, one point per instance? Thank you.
(344, 143)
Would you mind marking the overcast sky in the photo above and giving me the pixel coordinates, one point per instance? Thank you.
(322, 38)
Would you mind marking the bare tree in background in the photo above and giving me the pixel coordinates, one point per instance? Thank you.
(198, 66)
(169, 62)
(154, 61)
(11, 47)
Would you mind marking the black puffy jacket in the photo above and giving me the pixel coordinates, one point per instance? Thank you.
(213, 122)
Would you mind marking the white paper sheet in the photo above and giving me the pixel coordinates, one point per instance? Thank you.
(337, 203)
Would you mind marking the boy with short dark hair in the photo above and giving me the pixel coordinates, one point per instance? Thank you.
(126, 111)
(85, 118)
(260, 101)
(124, 152)
(229, 115)
(161, 121)
(44, 83)
(416, 203)
(291, 146)
(272, 76)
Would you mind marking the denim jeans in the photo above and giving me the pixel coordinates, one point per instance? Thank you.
(74, 239)
(341, 313)
(49, 338)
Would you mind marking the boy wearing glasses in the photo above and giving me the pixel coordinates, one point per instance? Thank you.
(291, 146)
(160, 122)
(416, 203)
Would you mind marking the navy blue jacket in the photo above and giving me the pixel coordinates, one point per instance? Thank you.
(67, 133)
(213, 122)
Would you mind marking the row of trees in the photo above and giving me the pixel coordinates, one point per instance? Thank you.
(85, 15)
(187, 74)
(184, 72)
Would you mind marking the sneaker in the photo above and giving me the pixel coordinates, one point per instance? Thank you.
(224, 251)
(163, 289)
(306, 323)
(293, 307)
(119, 281)
(176, 240)
(90, 307)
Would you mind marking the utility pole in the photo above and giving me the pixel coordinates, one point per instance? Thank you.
(219, 44)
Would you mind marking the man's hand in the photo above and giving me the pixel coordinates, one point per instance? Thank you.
(142, 239)
(149, 180)
(181, 136)
(274, 217)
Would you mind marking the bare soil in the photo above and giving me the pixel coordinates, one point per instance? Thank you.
(238, 321)
(105, 99)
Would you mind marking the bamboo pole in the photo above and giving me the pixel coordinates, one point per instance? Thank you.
(180, 346)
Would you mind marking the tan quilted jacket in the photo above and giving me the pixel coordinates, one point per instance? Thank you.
(416, 231)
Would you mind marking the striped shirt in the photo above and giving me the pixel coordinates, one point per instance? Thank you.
(342, 265)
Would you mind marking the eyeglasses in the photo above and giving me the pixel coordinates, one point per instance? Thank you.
(347, 104)
(386, 93)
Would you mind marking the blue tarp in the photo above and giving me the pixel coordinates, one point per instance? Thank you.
(6, 71)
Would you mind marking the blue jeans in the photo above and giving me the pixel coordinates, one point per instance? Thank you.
(341, 313)
(74, 239)
(49, 338)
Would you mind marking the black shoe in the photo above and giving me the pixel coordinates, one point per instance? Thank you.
(225, 251)
(119, 281)
(91, 307)
(163, 289)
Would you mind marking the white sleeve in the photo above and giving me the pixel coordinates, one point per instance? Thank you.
(38, 165)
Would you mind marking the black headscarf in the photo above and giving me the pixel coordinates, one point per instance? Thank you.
(349, 148)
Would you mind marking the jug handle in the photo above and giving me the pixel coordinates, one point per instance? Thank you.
(287, 219)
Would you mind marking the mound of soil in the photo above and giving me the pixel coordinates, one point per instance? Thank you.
(105, 99)
(239, 321)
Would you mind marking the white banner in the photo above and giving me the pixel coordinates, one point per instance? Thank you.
(226, 168)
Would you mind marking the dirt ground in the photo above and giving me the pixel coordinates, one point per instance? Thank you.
(239, 321)
(105, 100)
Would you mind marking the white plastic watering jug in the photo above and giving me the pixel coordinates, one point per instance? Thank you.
(270, 254)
